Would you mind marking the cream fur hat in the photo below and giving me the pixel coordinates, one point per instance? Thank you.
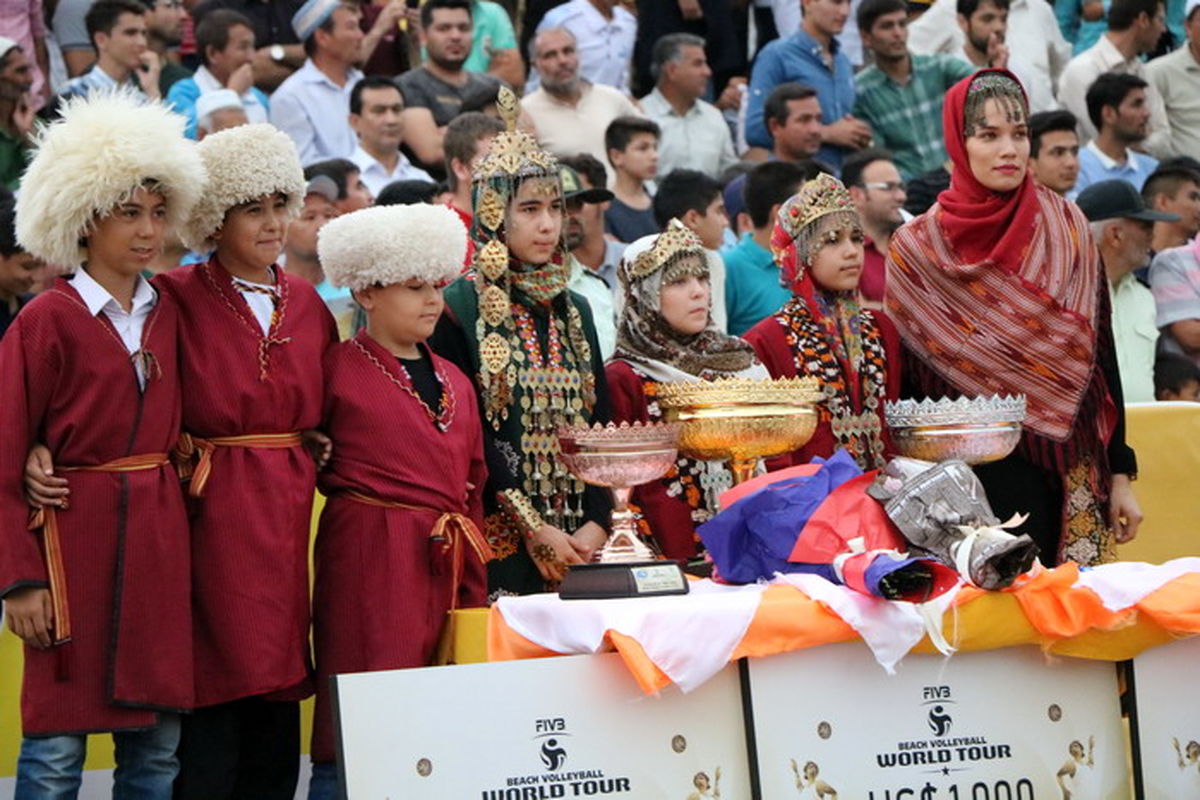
(243, 163)
(101, 149)
(384, 245)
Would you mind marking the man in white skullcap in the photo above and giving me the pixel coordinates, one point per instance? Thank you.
(219, 110)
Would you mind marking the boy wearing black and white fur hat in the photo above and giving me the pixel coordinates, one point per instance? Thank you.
(399, 543)
(99, 589)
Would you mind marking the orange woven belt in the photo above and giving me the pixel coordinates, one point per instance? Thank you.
(449, 530)
(201, 451)
(46, 519)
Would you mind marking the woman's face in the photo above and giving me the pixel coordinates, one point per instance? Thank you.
(684, 304)
(252, 234)
(998, 148)
(1193, 750)
(836, 259)
(1077, 749)
(810, 771)
(535, 220)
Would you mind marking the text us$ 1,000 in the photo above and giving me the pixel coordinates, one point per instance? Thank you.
(1021, 789)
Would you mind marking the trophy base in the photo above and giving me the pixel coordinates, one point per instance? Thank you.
(636, 579)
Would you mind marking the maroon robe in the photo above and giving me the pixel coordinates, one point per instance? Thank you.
(770, 341)
(250, 529)
(381, 592)
(675, 504)
(67, 381)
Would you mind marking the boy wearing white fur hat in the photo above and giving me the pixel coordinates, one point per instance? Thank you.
(399, 543)
(251, 342)
(99, 589)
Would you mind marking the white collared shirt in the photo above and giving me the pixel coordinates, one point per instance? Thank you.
(315, 112)
(262, 304)
(375, 175)
(129, 324)
(207, 82)
(697, 139)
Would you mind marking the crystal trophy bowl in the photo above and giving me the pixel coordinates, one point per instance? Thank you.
(971, 429)
(740, 420)
(620, 457)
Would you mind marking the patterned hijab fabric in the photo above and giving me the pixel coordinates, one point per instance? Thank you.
(647, 340)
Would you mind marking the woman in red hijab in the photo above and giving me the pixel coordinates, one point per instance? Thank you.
(998, 289)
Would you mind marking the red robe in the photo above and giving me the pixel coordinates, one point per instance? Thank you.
(672, 506)
(378, 601)
(66, 380)
(770, 341)
(250, 529)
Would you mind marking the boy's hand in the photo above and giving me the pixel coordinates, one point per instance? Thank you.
(42, 487)
(30, 615)
(319, 446)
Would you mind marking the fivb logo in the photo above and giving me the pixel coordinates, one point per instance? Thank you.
(550, 731)
(938, 718)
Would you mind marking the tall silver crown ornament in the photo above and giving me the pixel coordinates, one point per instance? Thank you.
(621, 457)
(935, 499)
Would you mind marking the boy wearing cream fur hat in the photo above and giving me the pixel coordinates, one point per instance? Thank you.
(399, 542)
(99, 589)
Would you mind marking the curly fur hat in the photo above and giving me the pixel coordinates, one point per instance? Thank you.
(103, 147)
(243, 163)
(391, 244)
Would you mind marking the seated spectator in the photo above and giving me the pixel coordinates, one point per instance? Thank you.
(278, 52)
(811, 56)
(217, 111)
(694, 133)
(604, 33)
(1117, 107)
(1176, 78)
(164, 33)
(569, 113)
(1082, 22)
(117, 29)
(1175, 281)
(986, 43)
(1175, 190)
(923, 190)
(468, 140)
(793, 116)
(595, 251)
(18, 269)
(300, 241)
(900, 95)
(878, 194)
(407, 193)
(1134, 27)
(1122, 227)
(70, 32)
(1176, 379)
(494, 44)
(377, 117)
(225, 44)
(696, 200)
(24, 24)
(1054, 150)
(437, 91)
(16, 112)
(578, 196)
(352, 193)
(632, 145)
(724, 43)
(753, 288)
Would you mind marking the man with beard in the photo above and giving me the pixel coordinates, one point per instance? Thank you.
(1117, 106)
(583, 203)
(984, 24)
(878, 194)
(569, 113)
(436, 92)
(164, 31)
(16, 111)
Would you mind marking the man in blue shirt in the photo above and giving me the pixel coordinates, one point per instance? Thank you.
(811, 56)
(1117, 106)
(753, 290)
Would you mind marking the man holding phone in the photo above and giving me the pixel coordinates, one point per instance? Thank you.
(117, 29)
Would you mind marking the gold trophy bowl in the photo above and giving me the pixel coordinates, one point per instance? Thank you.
(976, 430)
(620, 457)
(740, 420)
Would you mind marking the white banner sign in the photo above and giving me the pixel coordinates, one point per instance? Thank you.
(546, 728)
(1005, 724)
(1168, 719)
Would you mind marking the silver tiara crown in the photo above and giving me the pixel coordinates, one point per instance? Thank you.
(961, 411)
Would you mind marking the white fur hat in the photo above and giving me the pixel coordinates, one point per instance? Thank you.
(102, 148)
(243, 163)
(384, 245)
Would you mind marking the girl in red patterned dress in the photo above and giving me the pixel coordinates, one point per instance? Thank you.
(821, 332)
(666, 334)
